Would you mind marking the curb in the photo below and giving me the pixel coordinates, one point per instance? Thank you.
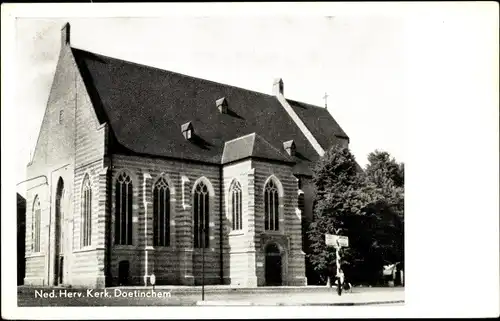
(223, 303)
(244, 303)
(357, 303)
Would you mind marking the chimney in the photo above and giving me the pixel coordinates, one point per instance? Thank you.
(65, 34)
(278, 88)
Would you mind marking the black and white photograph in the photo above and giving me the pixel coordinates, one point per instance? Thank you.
(246, 159)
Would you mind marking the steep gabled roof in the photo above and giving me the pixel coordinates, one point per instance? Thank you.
(320, 122)
(146, 106)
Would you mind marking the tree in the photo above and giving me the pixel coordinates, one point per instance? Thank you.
(368, 207)
(387, 175)
(342, 197)
(383, 169)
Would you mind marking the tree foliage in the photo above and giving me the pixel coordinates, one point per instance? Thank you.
(388, 176)
(365, 206)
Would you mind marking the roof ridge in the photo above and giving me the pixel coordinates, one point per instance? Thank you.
(321, 108)
(170, 71)
(301, 102)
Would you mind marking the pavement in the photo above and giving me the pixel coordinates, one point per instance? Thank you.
(367, 296)
(214, 296)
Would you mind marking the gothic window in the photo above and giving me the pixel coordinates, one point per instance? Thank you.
(161, 212)
(201, 215)
(123, 210)
(86, 215)
(271, 206)
(236, 212)
(35, 226)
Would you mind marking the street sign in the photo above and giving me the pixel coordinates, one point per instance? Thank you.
(343, 241)
(331, 239)
(336, 240)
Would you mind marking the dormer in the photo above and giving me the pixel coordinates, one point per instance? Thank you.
(187, 130)
(222, 105)
(290, 147)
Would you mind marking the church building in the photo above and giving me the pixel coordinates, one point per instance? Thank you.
(139, 171)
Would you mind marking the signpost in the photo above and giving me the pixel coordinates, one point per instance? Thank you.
(337, 241)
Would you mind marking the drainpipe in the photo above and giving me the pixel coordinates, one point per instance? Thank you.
(108, 246)
(221, 222)
(146, 247)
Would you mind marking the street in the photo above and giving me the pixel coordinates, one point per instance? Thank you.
(218, 296)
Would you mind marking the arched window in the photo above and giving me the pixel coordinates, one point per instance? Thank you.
(86, 215)
(35, 225)
(201, 215)
(123, 210)
(161, 212)
(237, 219)
(271, 206)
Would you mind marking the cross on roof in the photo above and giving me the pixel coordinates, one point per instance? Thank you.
(325, 97)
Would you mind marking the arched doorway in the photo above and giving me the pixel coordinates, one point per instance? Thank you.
(273, 267)
(59, 235)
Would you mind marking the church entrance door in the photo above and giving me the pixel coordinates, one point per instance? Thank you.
(273, 265)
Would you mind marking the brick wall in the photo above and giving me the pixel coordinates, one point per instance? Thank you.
(289, 238)
(179, 263)
(87, 263)
(70, 143)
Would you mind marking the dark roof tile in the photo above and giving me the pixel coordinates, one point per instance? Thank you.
(146, 106)
(320, 122)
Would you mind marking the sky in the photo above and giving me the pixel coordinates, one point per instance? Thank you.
(357, 61)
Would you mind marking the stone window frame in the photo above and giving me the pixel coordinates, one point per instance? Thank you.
(172, 202)
(230, 205)
(211, 208)
(36, 223)
(281, 195)
(134, 198)
(86, 212)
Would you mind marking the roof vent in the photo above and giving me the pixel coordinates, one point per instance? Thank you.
(187, 130)
(290, 147)
(222, 105)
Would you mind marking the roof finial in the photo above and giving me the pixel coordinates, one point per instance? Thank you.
(325, 97)
(65, 34)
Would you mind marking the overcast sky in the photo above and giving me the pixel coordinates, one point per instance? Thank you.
(358, 61)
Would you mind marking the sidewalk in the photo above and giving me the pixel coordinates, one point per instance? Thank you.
(328, 298)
